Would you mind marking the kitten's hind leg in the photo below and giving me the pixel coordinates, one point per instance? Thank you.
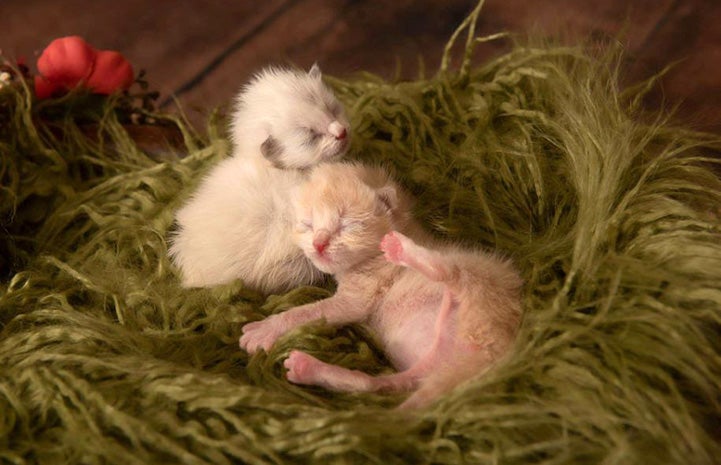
(306, 369)
(401, 250)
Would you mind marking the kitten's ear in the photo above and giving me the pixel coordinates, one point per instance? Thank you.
(272, 151)
(315, 71)
(386, 200)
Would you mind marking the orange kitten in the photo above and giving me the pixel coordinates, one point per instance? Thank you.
(442, 313)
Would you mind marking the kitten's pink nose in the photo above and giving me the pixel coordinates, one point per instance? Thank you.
(321, 241)
(337, 130)
(320, 245)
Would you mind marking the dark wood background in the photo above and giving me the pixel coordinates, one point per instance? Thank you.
(203, 50)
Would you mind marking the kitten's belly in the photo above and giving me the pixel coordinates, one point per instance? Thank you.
(406, 322)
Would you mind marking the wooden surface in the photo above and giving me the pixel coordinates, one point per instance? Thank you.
(203, 50)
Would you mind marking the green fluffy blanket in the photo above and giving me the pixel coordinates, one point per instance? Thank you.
(611, 216)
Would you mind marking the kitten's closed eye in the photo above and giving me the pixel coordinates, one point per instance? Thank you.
(336, 108)
(312, 133)
(345, 225)
(350, 225)
(304, 226)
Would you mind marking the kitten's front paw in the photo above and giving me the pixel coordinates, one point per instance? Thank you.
(392, 247)
(261, 334)
(301, 367)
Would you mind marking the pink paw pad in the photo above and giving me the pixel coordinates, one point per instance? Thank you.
(300, 367)
(392, 247)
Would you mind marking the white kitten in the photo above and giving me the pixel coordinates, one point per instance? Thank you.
(441, 314)
(237, 225)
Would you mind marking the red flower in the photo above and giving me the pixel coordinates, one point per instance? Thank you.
(70, 62)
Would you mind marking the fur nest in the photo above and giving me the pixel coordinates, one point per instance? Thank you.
(611, 216)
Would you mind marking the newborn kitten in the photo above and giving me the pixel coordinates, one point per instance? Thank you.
(238, 223)
(441, 314)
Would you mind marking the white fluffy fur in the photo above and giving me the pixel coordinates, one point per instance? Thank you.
(237, 225)
(442, 313)
(291, 107)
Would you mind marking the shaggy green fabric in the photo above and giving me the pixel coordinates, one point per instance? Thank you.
(611, 217)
